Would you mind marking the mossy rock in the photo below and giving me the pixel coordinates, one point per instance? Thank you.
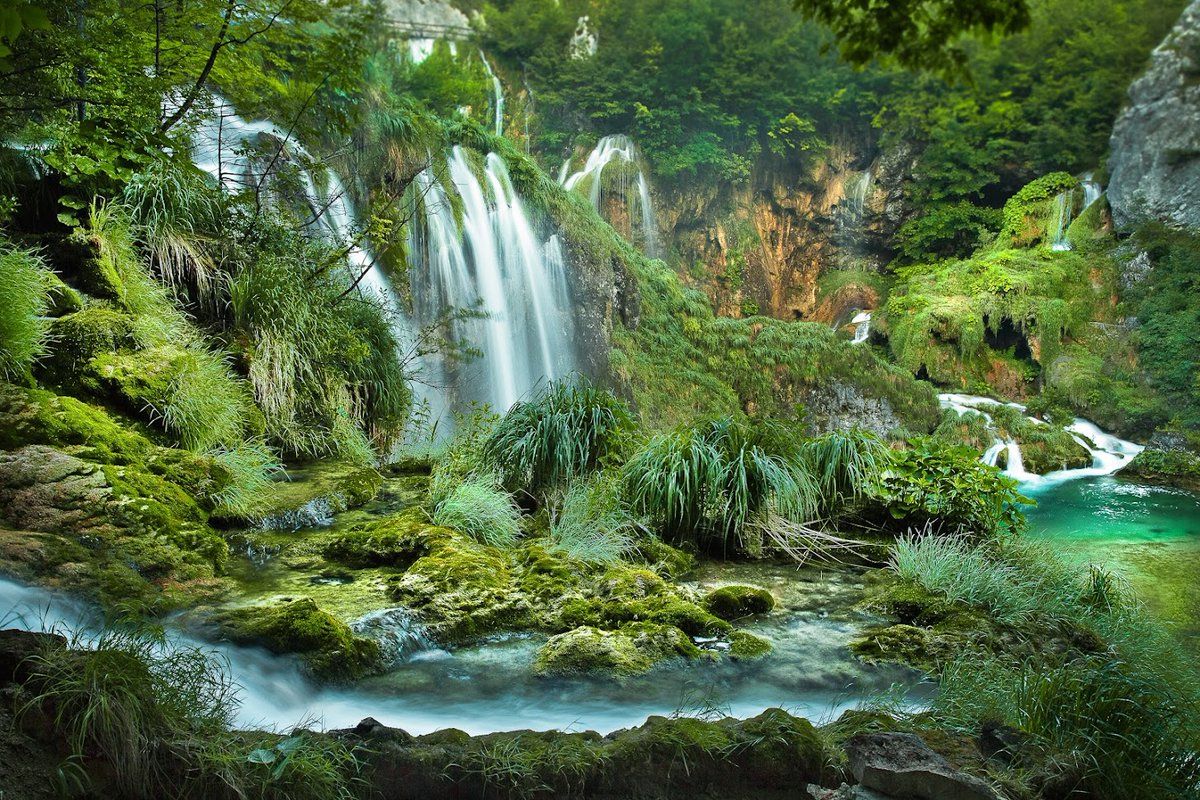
(397, 541)
(624, 594)
(1169, 467)
(338, 486)
(633, 649)
(908, 603)
(328, 647)
(81, 260)
(61, 298)
(35, 416)
(745, 646)
(668, 561)
(901, 644)
(734, 602)
(75, 339)
(462, 590)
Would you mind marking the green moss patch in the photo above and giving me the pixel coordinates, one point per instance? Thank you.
(633, 649)
(1171, 467)
(735, 602)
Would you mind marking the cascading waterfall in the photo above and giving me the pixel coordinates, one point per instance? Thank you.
(1091, 189)
(1109, 454)
(854, 203)
(497, 96)
(862, 327)
(495, 258)
(1063, 206)
(620, 148)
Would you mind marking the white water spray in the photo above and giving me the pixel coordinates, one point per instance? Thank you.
(618, 148)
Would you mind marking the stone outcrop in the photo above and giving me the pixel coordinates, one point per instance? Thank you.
(902, 765)
(1155, 161)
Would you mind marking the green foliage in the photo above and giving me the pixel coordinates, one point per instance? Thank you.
(1028, 215)
(592, 524)
(916, 33)
(24, 298)
(949, 487)
(947, 230)
(569, 429)
(845, 463)
(483, 512)
(703, 483)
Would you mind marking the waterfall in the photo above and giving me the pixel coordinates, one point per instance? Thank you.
(1109, 454)
(492, 257)
(862, 327)
(619, 148)
(1063, 206)
(497, 95)
(1091, 189)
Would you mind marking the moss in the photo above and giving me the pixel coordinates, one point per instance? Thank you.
(397, 541)
(78, 338)
(668, 561)
(747, 647)
(35, 416)
(633, 649)
(341, 485)
(1172, 467)
(622, 594)
(734, 602)
(62, 299)
(903, 644)
(327, 646)
(463, 590)
(908, 603)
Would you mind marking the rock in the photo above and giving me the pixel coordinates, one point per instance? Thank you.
(839, 405)
(16, 647)
(1169, 467)
(1155, 147)
(632, 650)
(1000, 742)
(733, 602)
(902, 765)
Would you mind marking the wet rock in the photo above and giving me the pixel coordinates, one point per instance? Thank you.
(1000, 742)
(1155, 146)
(631, 650)
(902, 765)
(16, 647)
(733, 602)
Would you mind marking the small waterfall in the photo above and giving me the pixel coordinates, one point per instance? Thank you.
(1109, 454)
(583, 42)
(619, 148)
(862, 327)
(497, 95)
(397, 633)
(494, 257)
(420, 49)
(1091, 189)
(853, 206)
(1063, 206)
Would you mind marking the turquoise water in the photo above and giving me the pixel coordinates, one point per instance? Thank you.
(1149, 534)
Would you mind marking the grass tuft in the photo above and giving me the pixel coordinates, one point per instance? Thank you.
(481, 511)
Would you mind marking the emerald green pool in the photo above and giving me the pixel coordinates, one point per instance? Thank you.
(1150, 534)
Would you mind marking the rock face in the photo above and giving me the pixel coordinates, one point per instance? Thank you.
(1155, 161)
(902, 765)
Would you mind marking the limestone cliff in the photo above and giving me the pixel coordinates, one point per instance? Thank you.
(1155, 160)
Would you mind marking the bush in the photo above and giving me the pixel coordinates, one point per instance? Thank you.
(592, 524)
(568, 430)
(703, 483)
(24, 297)
(481, 511)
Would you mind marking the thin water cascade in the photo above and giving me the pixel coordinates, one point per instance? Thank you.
(1109, 453)
(497, 96)
(1063, 205)
(862, 327)
(1091, 189)
(619, 148)
(853, 206)
(495, 258)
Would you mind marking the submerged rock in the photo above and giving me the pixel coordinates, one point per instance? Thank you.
(733, 602)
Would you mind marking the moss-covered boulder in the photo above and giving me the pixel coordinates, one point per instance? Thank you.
(310, 496)
(397, 541)
(745, 646)
(734, 602)
(462, 590)
(328, 647)
(622, 594)
(1169, 467)
(632, 649)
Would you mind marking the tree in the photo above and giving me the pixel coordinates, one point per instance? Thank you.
(916, 34)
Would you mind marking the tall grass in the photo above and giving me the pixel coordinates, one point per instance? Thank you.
(844, 464)
(1117, 721)
(569, 429)
(205, 403)
(154, 717)
(703, 483)
(591, 523)
(24, 298)
(481, 511)
(250, 466)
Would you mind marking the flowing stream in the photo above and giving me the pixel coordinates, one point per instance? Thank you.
(620, 149)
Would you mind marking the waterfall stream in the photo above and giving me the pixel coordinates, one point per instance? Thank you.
(497, 96)
(1109, 453)
(621, 149)
(862, 327)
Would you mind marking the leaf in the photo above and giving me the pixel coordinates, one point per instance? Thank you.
(68, 219)
(290, 745)
(261, 756)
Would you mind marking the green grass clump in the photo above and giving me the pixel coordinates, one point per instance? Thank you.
(844, 463)
(481, 511)
(703, 483)
(250, 467)
(569, 429)
(592, 524)
(24, 297)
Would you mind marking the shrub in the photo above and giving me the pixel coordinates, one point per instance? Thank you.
(844, 463)
(481, 511)
(24, 297)
(592, 524)
(703, 483)
(569, 429)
